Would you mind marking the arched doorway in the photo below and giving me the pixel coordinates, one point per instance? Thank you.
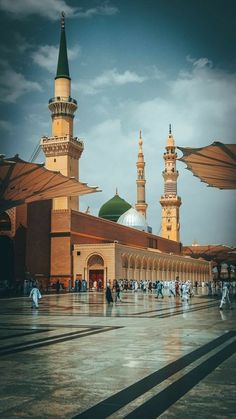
(5, 222)
(7, 261)
(95, 267)
(7, 253)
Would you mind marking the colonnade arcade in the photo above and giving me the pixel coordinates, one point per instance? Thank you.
(163, 268)
(135, 266)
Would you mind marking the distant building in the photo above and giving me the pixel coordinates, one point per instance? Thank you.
(170, 201)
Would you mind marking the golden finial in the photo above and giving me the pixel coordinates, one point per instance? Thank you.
(62, 20)
(140, 140)
(116, 191)
(170, 138)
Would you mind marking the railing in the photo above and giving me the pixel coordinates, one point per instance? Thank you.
(62, 99)
(67, 138)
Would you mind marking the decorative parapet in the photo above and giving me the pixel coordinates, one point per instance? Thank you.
(62, 99)
(170, 200)
(59, 146)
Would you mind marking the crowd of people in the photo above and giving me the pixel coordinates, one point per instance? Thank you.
(177, 288)
(173, 288)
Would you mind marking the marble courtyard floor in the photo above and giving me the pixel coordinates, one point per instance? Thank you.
(143, 358)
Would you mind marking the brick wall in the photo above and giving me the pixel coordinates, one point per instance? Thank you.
(38, 238)
(90, 229)
(71, 227)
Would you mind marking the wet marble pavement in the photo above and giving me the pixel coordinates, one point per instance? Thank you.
(77, 357)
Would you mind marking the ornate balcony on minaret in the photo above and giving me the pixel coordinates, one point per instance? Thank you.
(61, 105)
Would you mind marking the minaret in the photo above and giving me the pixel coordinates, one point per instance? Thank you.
(141, 205)
(62, 150)
(170, 202)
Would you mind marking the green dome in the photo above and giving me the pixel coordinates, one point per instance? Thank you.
(113, 208)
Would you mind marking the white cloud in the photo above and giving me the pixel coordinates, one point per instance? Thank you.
(5, 126)
(108, 161)
(201, 106)
(50, 9)
(109, 78)
(113, 77)
(105, 9)
(46, 56)
(13, 84)
(73, 53)
(200, 62)
(22, 43)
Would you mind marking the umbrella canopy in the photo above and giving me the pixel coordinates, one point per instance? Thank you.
(215, 253)
(214, 164)
(23, 182)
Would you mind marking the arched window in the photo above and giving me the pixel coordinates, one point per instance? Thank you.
(95, 260)
(125, 262)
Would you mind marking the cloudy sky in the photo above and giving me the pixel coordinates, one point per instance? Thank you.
(134, 64)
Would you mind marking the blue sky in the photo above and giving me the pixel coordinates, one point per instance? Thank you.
(134, 65)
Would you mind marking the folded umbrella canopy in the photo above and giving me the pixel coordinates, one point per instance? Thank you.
(23, 182)
(214, 164)
(218, 253)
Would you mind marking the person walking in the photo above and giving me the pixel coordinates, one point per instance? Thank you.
(58, 286)
(185, 291)
(117, 291)
(177, 286)
(109, 297)
(159, 287)
(209, 284)
(135, 286)
(225, 295)
(171, 287)
(35, 295)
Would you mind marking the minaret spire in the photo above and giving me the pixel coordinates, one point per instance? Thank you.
(170, 201)
(141, 205)
(62, 64)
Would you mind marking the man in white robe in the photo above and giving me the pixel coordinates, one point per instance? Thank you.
(35, 295)
(225, 295)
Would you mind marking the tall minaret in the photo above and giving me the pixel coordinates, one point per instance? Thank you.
(62, 150)
(170, 202)
(141, 205)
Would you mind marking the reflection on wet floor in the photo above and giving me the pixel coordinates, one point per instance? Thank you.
(76, 356)
(94, 304)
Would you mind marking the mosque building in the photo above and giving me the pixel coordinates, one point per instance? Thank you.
(62, 243)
